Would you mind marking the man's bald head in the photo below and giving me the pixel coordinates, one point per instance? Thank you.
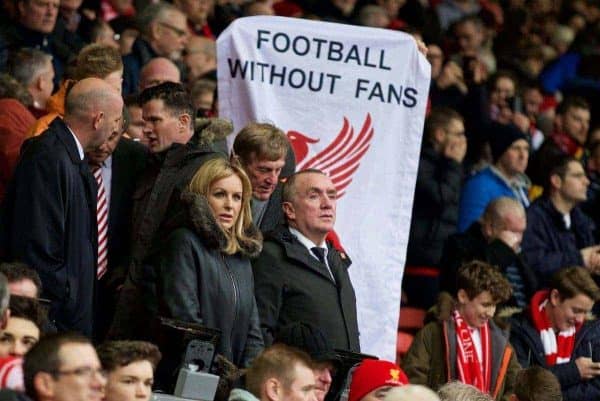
(157, 71)
(93, 110)
(200, 56)
(504, 218)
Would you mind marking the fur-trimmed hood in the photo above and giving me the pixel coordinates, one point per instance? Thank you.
(203, 222)
(210, 130)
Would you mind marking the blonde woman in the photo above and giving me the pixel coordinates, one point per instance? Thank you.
(205, 273)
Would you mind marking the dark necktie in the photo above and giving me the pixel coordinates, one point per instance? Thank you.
(319, 253)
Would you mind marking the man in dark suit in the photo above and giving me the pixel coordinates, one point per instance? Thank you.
(299, 277)
(48, 218)
(120, 161)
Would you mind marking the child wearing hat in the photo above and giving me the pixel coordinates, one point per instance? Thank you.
(463, 343)
(372, 379)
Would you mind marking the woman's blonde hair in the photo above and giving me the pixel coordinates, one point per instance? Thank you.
(217, 169)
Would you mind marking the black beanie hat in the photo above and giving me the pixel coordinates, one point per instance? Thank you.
(502, 136)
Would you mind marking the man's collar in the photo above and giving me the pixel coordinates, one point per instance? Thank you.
(304, 240)
(79, 147)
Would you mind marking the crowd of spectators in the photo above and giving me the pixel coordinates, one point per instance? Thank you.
(122, 206)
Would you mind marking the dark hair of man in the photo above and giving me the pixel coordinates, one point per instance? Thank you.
(476, 277)
(478, 22)
(28, 309)
(439, 118)
(16, 271)
(131, 100)
(557, 165)
(502, 74)
(537, 384)
(116, 354)
(260, 140)
(278, 361)
(44, 357)
(572, 281)
(27, 64)
(572, 102)
(289, 187)
(175, 98)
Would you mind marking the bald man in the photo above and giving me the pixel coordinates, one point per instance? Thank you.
(157, 71)
(48, 218)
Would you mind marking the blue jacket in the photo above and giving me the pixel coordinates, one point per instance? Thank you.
(547, 243)
(477, 192)
(527, 344)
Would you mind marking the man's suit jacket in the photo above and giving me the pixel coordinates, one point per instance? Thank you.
(293, 286)
(48, 220)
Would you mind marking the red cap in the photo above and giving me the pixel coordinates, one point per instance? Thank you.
(372, 374)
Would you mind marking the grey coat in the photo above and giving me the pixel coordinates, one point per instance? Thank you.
(199, 283)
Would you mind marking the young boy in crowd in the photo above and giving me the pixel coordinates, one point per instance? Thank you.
(463, 343)
(554, 333)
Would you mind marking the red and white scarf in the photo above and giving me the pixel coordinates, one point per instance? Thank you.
(467, 361)
(557, 347)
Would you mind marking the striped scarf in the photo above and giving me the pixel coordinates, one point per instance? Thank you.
(557, 347)
(470, 369)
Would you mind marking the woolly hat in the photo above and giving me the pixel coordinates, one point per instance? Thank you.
(309, 339)
(372, 374)
(502, 136)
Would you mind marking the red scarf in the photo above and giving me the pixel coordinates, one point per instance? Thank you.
(557, 347)
(467, 361)
(567, 144)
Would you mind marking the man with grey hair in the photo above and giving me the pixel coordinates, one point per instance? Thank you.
(33, 69)
(48, 218)
(164, 34)
(298, 276)
(200, 57)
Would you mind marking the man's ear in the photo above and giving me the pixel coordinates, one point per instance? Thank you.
(5, 317)
(288, 210)
(555, 298)
(555, 181)
(155, 30)
(558, 122)
(462, 296)
(98, 119)
(43, 383)
(21, 7)
(184, 121)
(272, 389)
(438, 135)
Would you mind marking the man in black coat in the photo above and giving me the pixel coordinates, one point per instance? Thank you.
(299, 277)
(157, 207)
(48, 218)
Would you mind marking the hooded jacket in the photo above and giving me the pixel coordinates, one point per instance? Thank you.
(199, 283)
(431, 359)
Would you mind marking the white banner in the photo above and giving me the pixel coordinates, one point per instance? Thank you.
(352, 101)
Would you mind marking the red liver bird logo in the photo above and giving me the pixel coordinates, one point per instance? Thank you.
(341, 158)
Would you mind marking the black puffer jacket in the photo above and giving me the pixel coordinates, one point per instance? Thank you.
(199, 283)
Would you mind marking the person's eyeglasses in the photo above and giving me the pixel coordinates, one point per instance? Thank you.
(179, 32)
(85, 371)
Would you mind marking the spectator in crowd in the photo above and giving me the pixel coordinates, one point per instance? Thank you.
(298, 276)
(469, 32)
(506, 177)
(372, 379)
(197, 13)
(169, 118)
(457, 391)
(554, 333)
(411, 392)
(164, 34)
(203, 96)
(135, 128)
(536, 384)
(48, 217)
(558, 233)
(94, 61)
(571, 126)
(116, 165)
(200, 57)
(129, 367)
(204, 270)
(34, 29)
(63, 367)
(22, 279)
(373, 15)
(262, 150)
(15, 121)
(450, 11)
(157, 71)
(463, 343)
(435, 206)
(497, 241)
(279, 373)
(24, 327)
(33, 69)
(103, 34)
(310, 339)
